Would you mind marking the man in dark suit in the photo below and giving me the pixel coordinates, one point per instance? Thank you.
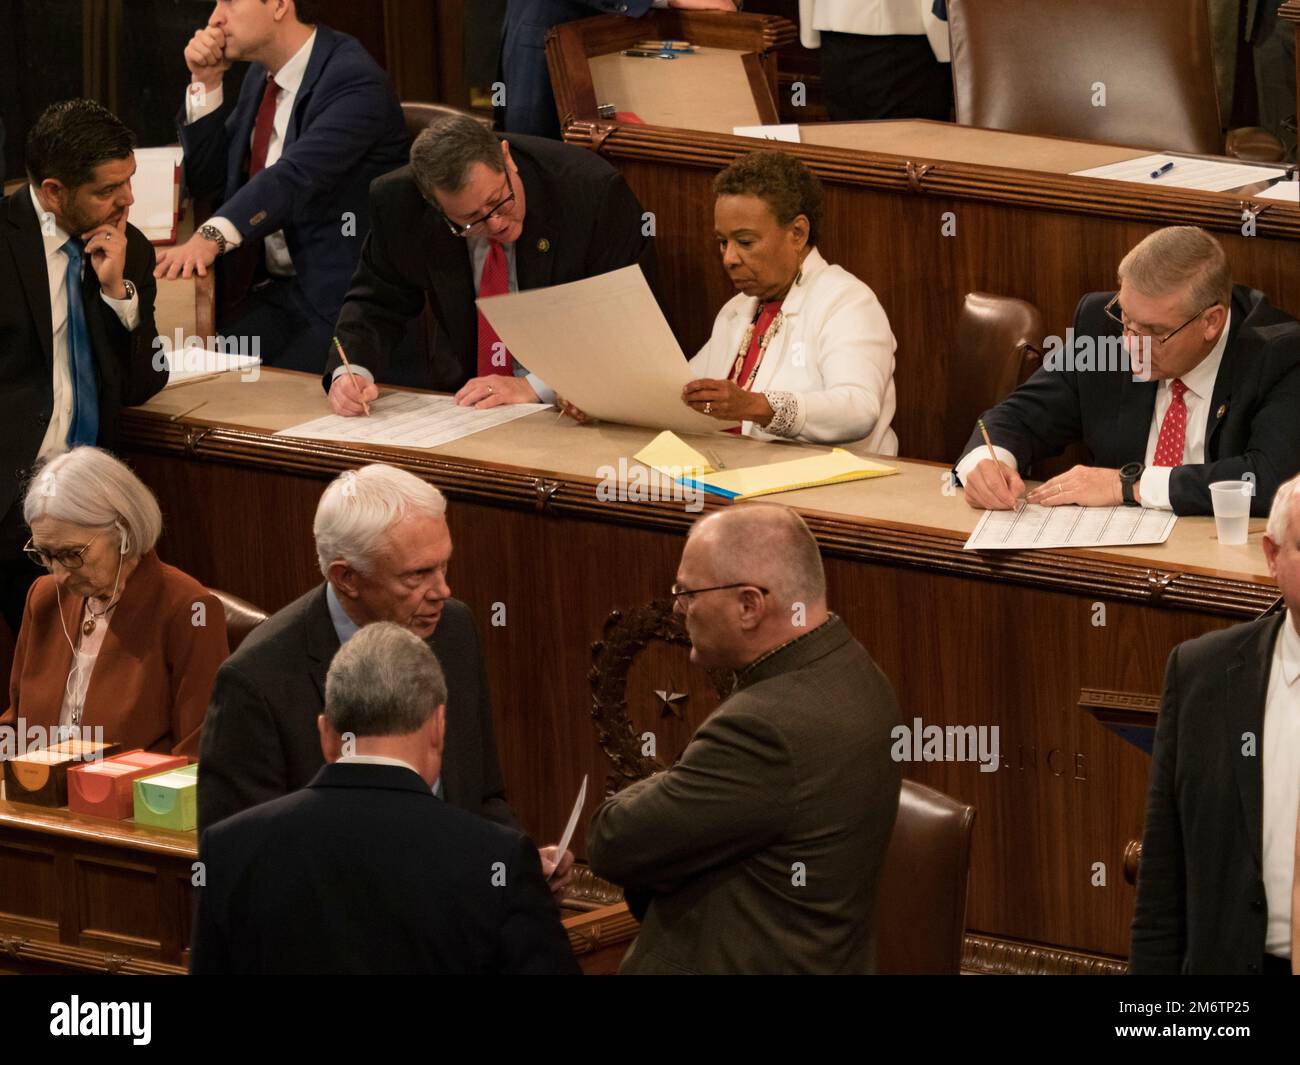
(77, 318)
(530, 101)
(399, 882)
(474, 216)
(1219, 885)
(1217, 400)
(384, 546)
(760, 850)
(292, 159)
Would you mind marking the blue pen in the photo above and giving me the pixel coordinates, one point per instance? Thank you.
(1163, 170)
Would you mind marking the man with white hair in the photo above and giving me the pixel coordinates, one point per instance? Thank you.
(384, 547)
(1206, 389)
(1219, 885)
(400, 882)
(760, 850)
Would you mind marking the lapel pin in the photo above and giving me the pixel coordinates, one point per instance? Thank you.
(543, 245)
(1223, 409)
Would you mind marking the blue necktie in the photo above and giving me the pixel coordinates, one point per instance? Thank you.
(84, 428)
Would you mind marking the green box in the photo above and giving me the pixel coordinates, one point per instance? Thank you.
(169, 800)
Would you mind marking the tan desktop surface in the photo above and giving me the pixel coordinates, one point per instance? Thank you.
(964, 144)
(707, 90)
(543, 443)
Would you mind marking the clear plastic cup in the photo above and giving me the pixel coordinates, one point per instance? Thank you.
(1231, 501)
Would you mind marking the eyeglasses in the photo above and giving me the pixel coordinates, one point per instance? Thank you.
(679, 593)
(1121, 320)
(70, 559)
(458, 230)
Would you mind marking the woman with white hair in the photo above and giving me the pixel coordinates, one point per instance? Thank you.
(111, 637)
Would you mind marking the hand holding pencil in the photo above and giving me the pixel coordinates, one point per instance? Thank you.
(992, 485)
(350, 394)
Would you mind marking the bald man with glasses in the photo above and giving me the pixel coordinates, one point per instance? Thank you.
(1207, 389)
(476, 215)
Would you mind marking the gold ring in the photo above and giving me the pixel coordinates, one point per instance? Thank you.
(708, 407)
(489, 390)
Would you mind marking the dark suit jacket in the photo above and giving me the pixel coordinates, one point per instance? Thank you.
(366, 872)
(153, 676)
(345, 130)
(530, 101)
(260, 738)
(127, 375)
(790, 778)
(1201, 906)
(1252, 423)
(580, 220)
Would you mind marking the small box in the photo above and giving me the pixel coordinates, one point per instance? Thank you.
(39, 778)
(105, 788)
(168, 800)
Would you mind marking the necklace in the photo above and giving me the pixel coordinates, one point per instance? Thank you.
(88, 626)
(767, 337)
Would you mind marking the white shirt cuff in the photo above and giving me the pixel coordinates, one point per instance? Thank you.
(545, 394)
(200, 103)
(228, 230)
(1154, 487)
(127, 311)
(360, 371)
(979, 454)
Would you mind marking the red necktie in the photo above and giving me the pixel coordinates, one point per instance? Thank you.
(493, 358)
(263, 126)
(1173, 430)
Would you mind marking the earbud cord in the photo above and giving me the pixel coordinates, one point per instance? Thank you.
(112, 599)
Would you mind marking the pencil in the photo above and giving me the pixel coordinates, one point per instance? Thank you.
(355, 383)
(993, 454)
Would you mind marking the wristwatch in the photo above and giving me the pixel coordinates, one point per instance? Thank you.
(215, 235)
(130, 290)
(1128, 477)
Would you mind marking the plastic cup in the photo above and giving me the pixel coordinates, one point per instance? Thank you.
(1232, 510)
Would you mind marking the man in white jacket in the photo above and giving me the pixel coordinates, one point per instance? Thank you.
(880, 58)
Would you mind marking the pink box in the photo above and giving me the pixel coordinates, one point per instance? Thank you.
(104, 788)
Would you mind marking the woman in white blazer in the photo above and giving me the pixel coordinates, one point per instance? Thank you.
(803, 351)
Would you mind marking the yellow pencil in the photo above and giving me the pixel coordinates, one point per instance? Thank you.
(348, 366)
(993, 454)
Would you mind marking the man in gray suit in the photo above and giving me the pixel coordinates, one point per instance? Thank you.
(760, 851)
(384, 547)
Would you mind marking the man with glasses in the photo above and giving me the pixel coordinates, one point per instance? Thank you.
(1219, 402)
(760, 849)
(475, 215)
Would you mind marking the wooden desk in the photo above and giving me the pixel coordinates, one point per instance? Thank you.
(895, 190)
(966, 639)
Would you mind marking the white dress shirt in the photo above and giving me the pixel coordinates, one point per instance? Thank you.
(877, 18)
(1281, 785)
(1154, 485)
(289, 78)
(127, 311)
(833, 360)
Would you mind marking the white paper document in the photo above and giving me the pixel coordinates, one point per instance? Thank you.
(573, 819)
(788, 132)
(156, 192)
(412, 419)
(604, 345)
(1030, 526)
(1204, 175)
(192, 363)
(1287, 191)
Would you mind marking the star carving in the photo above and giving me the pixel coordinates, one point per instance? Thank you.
(670, 700)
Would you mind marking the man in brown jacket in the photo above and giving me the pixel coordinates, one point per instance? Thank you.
(760, 851)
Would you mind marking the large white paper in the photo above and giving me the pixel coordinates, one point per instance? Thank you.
(604, 345)
(1204, 175)
(157, 195)
(1288, 191)
(1030, 526)
(573, 820)
(192, 364)
(412, 419)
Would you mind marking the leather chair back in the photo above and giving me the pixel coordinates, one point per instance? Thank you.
(999, 342)
(242, 617)
(1033, 67)
(417, 114)
(921, 913)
